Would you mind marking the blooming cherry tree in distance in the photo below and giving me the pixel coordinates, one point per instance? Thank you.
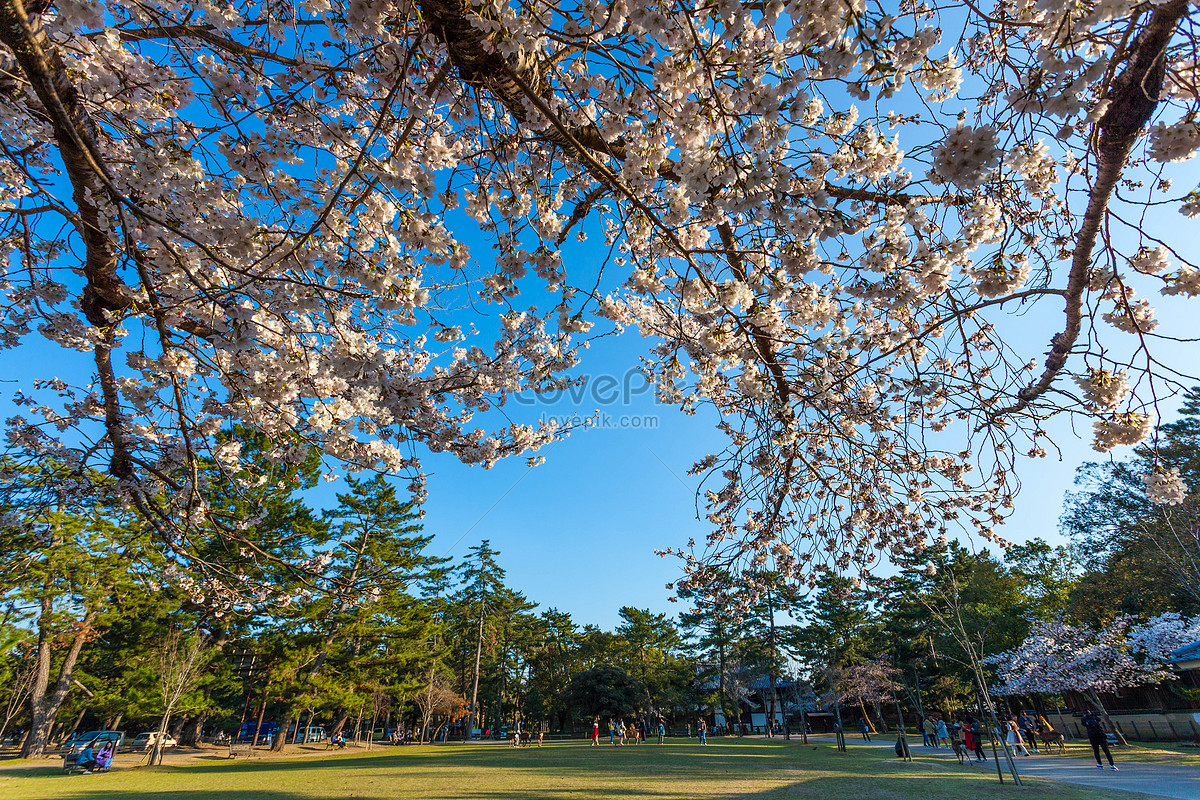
(1058, 656)
(870, 681)
(352, 225)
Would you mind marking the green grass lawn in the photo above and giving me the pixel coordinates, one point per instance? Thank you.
(1143, 753)
(746, 770)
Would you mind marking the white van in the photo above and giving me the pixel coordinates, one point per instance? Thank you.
(146, 740)
(314, 733)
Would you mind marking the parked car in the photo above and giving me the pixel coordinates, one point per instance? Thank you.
(266, 732)
(146, 740)
(72, 740)
(97, 740)
(314, 733)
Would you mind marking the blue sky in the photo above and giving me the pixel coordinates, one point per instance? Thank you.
(579, 532)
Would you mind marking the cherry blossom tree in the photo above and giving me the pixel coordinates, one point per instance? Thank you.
(1058, 656)
(818, 212)
(871, 681)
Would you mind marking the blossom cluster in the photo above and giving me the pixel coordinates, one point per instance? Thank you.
(355, 230)
(1165, 487)
(1059, 656)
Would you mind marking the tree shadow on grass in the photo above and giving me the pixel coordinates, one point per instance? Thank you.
(588, 774)
(48, 770)
(660, 759)
(98, 792)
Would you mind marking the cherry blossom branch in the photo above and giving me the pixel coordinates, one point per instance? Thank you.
(1134, 95)
(205, 33)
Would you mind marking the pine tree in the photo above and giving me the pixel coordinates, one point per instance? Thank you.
(61, 567)
(366, 596)
(1142, 557)
(482, 581)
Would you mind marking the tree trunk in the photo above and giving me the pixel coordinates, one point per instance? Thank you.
(917, 690)
(837, 707)
(374, 720)
(803, 719)
(44, 702)
(258, 723)
(302, 738)
(290, 717)
(1095, 698)
(862, 706)
(721, 678)
(75, 725)
(900, 727)
(773, 644)
(189, 735)
(474, 709)
(358, 725)
(993, 723)
(156, 750)
(499, 711)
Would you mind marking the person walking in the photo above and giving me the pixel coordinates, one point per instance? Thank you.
(596, 732)
(612, 732)
(921, 728)
(1097, 738)
(620, 731)
(662, 731)
(1028, 727)
(1014, 736)
(930, 732)
(702, 730)
(943, 733)
(973, 730)
(864, 728)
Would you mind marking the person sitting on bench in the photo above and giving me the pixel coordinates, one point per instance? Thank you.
(87, 759)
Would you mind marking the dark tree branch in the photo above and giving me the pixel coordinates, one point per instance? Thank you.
(1133, 96)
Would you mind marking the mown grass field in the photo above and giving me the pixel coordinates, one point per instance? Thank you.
(725, 770)
(1137, 752)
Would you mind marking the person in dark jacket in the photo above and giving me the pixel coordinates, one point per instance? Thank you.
(1097, 738)
(973, 734)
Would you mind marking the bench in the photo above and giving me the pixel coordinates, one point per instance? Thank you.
(70, 765)
(242, 749)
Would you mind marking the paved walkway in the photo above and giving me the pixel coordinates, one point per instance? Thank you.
(1160, 780)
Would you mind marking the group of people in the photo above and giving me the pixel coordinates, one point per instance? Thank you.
(1019, 731)
(92, 760)
(967, 734)
(620, 733)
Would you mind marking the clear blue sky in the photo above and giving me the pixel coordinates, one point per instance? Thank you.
(578, 533)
